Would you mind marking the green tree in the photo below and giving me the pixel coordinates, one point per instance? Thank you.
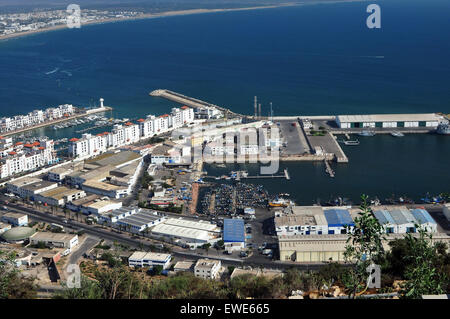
(364, 247)
(423, 278)
(89, 289)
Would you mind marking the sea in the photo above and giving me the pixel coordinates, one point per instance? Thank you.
(316, 59)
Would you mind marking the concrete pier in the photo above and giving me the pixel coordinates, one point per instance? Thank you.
(189, 101)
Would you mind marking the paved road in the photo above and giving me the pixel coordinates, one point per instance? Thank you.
(87, 245)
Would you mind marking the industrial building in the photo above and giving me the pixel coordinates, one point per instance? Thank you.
(139, 221)
(400, 220)
(113, 216)
(15, 219)
(429, 120)
(149, 259)
(208, 268)
(99, 206)
(59, 240)
(193, 233)
(301, 220)
(59, 196)
(338, 220)
(313, 220)
(325, 248)
(29, 187)
(234, 234)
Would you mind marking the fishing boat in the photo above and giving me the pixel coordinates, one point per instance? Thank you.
(280, 202)
(432, 199)
(400, 200)
(351, 142)
(366, 133)
(397, 134)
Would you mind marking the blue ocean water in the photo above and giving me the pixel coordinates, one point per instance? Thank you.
(318, 59)
(310, 60)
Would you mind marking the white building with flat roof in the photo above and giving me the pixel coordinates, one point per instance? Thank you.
(149, 259)
(59, 240)
(208, 268)
(301, 220)
(428, 120)
(15, 219)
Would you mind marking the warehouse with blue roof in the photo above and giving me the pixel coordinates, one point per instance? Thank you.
(424, 219)
(400, 220)
(234, 234)
(338, 219)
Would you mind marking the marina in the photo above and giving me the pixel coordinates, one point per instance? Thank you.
(83, 114)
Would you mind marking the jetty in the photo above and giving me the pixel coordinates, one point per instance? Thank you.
(328, 168)
(189, 101)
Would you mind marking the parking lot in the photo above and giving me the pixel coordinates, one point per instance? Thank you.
(294, 138)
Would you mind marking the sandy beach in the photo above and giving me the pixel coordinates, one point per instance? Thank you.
(148, 16)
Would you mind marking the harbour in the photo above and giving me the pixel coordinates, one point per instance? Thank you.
(76, 116)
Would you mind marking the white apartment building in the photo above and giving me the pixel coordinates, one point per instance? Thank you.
(207, 268)
(26, 157)
(88, 145)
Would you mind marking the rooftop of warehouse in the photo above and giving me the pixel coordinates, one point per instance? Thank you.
(338, 217)
(86, 200)
(178, 231)
(233, 230)
(389, 117)
(141, 255)
(201, 225)
(115, 159)
(59, 192)
(52, 236)
(101, 203)
(25, 181)
(422, 216)
(101, 185)
(139, 219)
(38, 185)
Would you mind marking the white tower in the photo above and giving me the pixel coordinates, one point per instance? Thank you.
(101, 102)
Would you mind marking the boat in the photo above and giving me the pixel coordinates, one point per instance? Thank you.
(397, 134)
(351, 142)
(220, 165)
(432, 199)
(443, 128)
(338, 201)
(279, 202)
(400, 200)
(366, 133)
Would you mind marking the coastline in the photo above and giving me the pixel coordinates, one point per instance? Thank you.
(151, 16)
(176, 13)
